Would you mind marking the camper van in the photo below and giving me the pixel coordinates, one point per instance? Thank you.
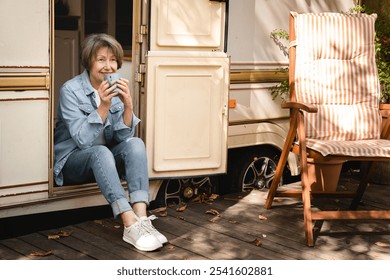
(200, 73)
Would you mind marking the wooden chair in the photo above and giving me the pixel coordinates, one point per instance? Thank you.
(334, 106)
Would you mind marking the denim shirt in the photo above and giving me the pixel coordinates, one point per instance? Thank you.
(79, 126)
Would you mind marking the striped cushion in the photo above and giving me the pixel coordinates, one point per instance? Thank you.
(362, 148)
(336, 71)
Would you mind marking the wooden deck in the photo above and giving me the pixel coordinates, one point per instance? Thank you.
(231, 227)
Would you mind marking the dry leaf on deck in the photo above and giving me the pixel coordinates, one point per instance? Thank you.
(158, 210)
(233, 222)
(263, 218)
(257, 242)
(182, 208)
(169, 247)
(180, 218)
(41, 254)
(64, 233)
(213, 196)
(163, 214)
(382, 244)
(213, 220)
(53, 236)
(99, 222)
(213, 212)
(198, 198)
(61, 233)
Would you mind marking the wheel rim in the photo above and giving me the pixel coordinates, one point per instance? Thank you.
(187, 188)
(259, 174)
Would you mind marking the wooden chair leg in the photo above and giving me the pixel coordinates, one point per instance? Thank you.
(307, 219)
(362, 187)
(281, 165)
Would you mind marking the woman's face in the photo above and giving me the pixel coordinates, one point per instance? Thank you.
(103, 63)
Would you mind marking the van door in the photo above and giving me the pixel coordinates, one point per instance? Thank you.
(25, 82)
(184, 95)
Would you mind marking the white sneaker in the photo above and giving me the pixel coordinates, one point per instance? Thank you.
(147, 222)
(139, 236)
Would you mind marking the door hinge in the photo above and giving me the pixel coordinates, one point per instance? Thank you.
(143, 30)
(140, 73)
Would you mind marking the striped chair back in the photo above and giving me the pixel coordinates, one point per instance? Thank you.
(336, 71)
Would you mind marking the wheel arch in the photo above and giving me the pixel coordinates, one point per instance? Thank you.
(262, 135)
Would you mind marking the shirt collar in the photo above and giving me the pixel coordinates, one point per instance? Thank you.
(87, 83)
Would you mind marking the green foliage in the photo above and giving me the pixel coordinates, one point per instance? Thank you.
(382, 48)
(280, 38)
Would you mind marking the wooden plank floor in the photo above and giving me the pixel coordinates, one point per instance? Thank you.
(234, 226)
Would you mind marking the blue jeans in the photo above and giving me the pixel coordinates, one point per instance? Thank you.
(106, 166)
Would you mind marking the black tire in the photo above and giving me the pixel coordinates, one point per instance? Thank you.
(182, 190)
(251, 168)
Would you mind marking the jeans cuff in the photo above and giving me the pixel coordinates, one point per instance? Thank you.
(120, 206)
(139, 196)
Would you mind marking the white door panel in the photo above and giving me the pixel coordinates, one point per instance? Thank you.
(187, 24)
(187, 115)
(23, 141)
(24, 33)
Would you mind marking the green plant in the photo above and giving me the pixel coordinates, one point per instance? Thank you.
(280, 38)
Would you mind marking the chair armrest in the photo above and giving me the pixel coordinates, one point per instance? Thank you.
(300, 106)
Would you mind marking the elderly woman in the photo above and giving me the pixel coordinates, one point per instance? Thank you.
(94, 140)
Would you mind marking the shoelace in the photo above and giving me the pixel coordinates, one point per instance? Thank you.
(142, 228)
(147, 223)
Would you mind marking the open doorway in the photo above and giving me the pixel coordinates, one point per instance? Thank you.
(74, 20)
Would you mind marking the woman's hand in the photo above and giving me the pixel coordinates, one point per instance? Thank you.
(106, 94)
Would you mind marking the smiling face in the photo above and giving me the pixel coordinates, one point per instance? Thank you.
(104, 62)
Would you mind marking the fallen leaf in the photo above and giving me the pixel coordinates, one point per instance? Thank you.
(382, 244)
(263, 218)
(198, 198)
(63, 233)
(182, 208)
(233, 222)
(213, 220)
(53, 236)
(169, 246)
(213, 212)
(180, 218)
(41, 254)
(99, 222)
(213, 196)
(158, 210)
(257, 242)
(163, 214)
(117, 226)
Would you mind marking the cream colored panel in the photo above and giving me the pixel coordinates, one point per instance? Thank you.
(24, 29)
(187, 23)
(254, 102)
(187, 115)
(23, 141)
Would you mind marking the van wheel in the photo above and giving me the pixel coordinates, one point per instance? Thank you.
(251, 168)
(182, 190)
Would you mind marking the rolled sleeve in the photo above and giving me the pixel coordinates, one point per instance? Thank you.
(122, 131)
